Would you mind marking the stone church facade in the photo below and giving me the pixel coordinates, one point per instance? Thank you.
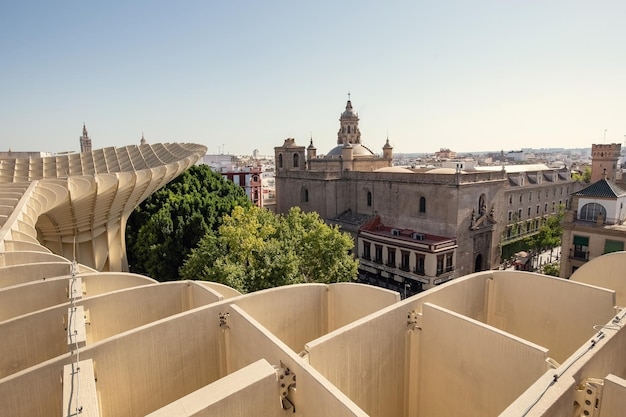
(350, 186)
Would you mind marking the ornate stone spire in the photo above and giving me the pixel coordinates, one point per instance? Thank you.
(349, 126)
(85, 140)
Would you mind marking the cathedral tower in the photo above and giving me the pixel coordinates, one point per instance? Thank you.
(349, 126)
(85, 141)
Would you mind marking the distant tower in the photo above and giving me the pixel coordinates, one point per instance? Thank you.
(143, 140)
(349, 126)
(85, 141)
(256, 154)
(604, 158)
(388, 151)
(311, 151)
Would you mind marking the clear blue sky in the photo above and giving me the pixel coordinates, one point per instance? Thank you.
(238, 76)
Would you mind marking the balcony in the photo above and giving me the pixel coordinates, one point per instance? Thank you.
(581, 255)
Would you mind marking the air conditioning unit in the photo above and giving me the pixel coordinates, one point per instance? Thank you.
(418, 236)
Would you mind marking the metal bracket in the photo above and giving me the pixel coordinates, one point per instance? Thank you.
(413, 320)
(224, 321)
(286, 382)
(589, 395)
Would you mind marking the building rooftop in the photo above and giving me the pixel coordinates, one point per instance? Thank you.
(603, 189)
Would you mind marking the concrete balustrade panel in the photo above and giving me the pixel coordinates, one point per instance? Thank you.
(547, 310)
(367, 360)
(313, 396)
(147, 368)
(22, 258)
(226, 292)
(37, 295)
(613, 396)
(481, 369)
(40, 336)
(597, 358)
(19, 274)
(250, 391)
(607, 272)
(466, 295)
(349, 302)
(294, 313)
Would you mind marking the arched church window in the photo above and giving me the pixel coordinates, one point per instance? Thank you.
(296, 160)
(280, 160)
(482, 206)
(348, 129)
(369, 199)
(591, 211)
(304, 195)
(422, 204)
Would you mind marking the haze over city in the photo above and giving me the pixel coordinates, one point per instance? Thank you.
(239, 76)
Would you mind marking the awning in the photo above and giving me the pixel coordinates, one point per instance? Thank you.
(581, 240)
(613, 246)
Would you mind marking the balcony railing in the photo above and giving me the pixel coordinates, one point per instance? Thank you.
(441, 271)
(579, 254)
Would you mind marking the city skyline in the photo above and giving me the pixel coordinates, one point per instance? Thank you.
(242, 76)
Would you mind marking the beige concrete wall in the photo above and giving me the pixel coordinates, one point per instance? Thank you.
(314, 396)
(226, 292)
(596, 358)
(295, 314)
(479, 368)
(138, 372)
(37, 295)
(250, 391)
(547, 310)
(19, 274)
(141, 371)
(24, 246)
(613, 397)
(467, 295)
(32, 339)
(41, 335)
(367, 360)
(349, 302)
(28, 257)
(119, 311)
(605, 271)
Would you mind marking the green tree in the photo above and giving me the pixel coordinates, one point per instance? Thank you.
(584, 177)
(255, 249)
(549, 235)
(551, 269)
(161, 231)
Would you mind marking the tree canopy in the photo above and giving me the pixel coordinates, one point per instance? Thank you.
(161, 231)
(549, 235)
(585, 176)
(255, 249)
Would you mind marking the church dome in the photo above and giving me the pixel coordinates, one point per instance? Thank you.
(349, 113)
(358, 150)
